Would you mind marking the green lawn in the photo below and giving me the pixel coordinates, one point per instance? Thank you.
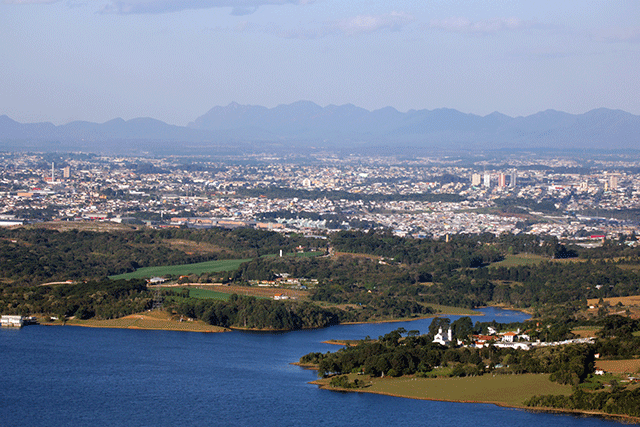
(206, 294)
(184, 269)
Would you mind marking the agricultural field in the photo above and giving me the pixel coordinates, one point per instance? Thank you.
(183, 270)
(625, 301)
(222, 292)
(628, 366)
(629, 305)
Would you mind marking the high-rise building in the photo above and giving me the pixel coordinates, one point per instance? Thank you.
(613, 182)
(514, 175)
(502, 180)
(476, 179)
(487, 180)
(66, 172)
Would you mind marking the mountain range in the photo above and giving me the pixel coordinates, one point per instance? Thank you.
(305, 125)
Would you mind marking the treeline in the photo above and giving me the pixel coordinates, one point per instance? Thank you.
(101, 300)
(37, 255)
(395, 355)
(456, 273)
(255, 313)
(616, 401)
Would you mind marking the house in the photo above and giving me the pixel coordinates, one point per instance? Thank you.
(508, 336)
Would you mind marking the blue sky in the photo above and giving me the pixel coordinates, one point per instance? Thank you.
(173, 60)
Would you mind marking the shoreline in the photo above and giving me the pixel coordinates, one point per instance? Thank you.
(97, 324)
(625, 419)
(138, 328)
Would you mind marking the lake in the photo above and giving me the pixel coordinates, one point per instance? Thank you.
(78, 376)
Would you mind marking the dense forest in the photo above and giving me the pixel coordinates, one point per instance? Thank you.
(93, 299)
(262, 314)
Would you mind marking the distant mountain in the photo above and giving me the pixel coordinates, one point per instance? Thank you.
(304, 124)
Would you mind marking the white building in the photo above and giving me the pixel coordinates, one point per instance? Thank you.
(443, 339)
(14, 321)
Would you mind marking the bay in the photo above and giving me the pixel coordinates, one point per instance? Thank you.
(78, 376)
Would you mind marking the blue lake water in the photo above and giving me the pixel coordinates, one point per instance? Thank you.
(76, 376)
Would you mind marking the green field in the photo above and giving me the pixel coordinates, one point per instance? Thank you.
(206, 294)
(183, 270)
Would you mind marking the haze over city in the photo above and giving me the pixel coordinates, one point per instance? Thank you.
(174, 60)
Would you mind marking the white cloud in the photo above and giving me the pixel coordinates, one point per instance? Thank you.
(620, 35)
(488, 26)
(369, 23)
(239, 7)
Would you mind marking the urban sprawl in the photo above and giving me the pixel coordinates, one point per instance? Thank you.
(426, 197)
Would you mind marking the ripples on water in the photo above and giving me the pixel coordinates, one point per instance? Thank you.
(111, 377)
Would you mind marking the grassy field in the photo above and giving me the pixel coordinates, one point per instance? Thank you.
(627, 366)
(625, 301)
(155, 320)
(454, 311)
(183, 269)
(507, 390)
(586, 331)
(201, 293)
(520, 259)
(253, 291)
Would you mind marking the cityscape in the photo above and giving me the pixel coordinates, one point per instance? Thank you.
(424, 197)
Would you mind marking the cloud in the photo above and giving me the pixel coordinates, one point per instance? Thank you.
(488, 26)
(240, 7)
(362, 24)
(620, 35)
(393, 21)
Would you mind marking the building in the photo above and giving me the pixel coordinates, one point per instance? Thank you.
(487, 180)
(514, 175)
(502, 180)
(443, 339)
(12, 321)
(476, 179)
(613, 182)
(66, 172)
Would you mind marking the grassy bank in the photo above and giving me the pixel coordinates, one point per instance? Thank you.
(152, 320)
(504, 390)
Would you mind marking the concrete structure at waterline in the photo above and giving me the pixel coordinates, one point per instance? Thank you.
(12, 321)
